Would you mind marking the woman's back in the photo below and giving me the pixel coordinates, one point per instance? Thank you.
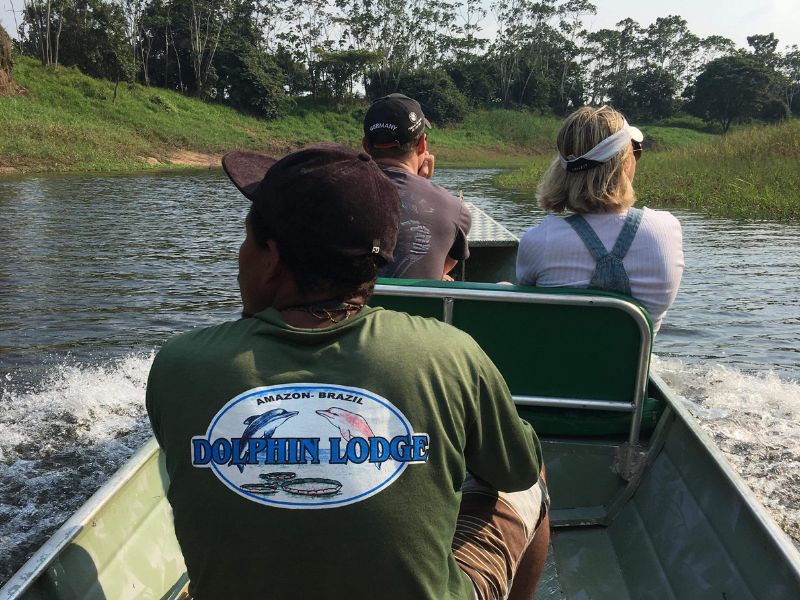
(553, 255)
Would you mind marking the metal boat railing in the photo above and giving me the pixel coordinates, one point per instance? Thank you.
(449, 296)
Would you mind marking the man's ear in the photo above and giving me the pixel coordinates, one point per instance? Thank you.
(422, 145)
(365, 145)
(271, 266)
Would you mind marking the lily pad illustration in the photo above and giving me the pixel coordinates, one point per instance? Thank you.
(278, 476)
(312, 486)
(263, 489)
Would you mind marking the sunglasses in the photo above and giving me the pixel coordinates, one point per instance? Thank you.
(637, 149)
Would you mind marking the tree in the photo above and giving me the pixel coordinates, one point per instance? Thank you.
(710, 48)
(670, 46)
(206, 19)
(764, 49)
(338, 70)
(649, 96)
(40, 30)
(615, 56)
(790, 68)
(467, 44)
(572, 84)
(87, 34)
(385, 28)
(534, 52)
(476, 78)
(730, 89)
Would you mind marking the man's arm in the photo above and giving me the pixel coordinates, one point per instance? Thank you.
(502, 449)
(460, 247)
(449, 265)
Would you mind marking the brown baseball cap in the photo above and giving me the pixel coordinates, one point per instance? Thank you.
(322, 201)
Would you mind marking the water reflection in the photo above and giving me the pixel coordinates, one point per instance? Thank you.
(101, 266)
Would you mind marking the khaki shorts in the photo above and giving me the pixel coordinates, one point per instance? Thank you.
(493, 531)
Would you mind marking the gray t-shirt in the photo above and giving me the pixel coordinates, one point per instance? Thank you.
(433, 225)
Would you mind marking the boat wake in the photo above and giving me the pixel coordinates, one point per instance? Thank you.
(755, 421)
(63, 437)
(60, 440)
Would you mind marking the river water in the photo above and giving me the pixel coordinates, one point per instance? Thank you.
(96, 272)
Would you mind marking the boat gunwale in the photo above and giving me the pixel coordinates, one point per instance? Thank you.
(781, 539)
(44, 557)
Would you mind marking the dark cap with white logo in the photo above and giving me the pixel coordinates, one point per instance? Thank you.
(394, 120)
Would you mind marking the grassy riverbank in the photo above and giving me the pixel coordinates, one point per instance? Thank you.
(750, 173)
(69, 122)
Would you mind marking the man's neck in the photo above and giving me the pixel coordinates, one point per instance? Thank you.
(408, 165)
(318, 314)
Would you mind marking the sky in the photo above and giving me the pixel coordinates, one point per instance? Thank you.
(734, 19)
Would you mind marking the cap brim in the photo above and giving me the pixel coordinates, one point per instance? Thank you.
(246, 170)
(636, 133)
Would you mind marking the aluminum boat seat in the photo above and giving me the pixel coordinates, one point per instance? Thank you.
(586, 352)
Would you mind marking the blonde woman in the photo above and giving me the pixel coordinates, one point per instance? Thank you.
(605, 242)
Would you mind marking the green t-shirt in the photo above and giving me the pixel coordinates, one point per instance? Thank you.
(328, 463)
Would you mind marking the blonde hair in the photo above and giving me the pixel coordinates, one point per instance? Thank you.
(605, 188)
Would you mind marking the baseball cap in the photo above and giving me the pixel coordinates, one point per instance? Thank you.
(394, 120)
(320, 202)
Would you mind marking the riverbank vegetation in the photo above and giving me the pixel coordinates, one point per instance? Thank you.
(750, 173)
(264, 57)
(183, 81)
(69, 122)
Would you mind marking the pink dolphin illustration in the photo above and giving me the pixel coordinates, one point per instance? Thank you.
(350, 424)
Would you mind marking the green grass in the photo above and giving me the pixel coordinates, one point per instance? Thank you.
(68, 122)
(496, 138)
(750, 173)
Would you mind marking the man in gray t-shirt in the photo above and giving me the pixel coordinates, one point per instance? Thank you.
(433, 223)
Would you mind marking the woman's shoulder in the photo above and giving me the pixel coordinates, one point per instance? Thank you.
(660, 217)
(549, 222)
(660, 227)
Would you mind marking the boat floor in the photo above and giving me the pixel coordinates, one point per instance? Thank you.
(582, 563)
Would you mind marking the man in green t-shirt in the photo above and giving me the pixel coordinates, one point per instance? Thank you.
(321, 448)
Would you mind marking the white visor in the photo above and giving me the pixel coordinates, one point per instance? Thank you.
(604, 151)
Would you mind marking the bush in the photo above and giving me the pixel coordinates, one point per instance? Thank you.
(434, 89)
(476, 79)
(162, 104)
(775, 110)
(251, 81)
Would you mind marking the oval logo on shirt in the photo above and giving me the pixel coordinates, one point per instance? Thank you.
(308, 445)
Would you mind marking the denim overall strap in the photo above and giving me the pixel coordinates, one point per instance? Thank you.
(609, 273)
(629, 229)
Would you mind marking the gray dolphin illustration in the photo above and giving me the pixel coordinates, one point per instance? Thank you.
(265, 424)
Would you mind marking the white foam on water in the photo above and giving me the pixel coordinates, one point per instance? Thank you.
(755, 421)
(60, 439)
(86, 405)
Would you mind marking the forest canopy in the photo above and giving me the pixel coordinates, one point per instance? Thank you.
(263, 56)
